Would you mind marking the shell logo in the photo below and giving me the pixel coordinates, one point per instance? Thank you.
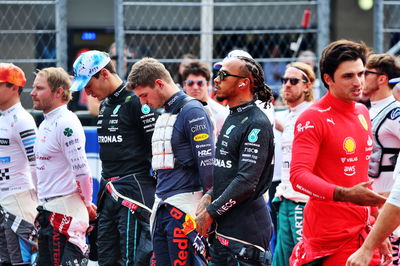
(349, 145)
(200, 137)
(363, 121)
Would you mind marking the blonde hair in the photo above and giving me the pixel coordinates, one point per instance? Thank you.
(310, 76)
(57, 77)
(146, 71)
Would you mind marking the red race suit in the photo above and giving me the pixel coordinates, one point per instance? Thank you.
(332, 147)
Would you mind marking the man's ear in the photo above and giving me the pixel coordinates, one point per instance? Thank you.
(160, 83)
(383, 79)
(328, 80)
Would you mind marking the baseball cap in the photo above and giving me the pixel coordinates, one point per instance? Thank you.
(86, 65)
(395, 80)
(232, 54)
(12, 74)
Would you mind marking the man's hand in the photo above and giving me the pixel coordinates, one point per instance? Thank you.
(359, 194)
(385, 250)
(203, 222)
(361, 257)
(204, 202)
(92, 212)
(364, 255)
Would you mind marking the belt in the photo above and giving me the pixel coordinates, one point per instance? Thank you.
(141, 209)
(113, 178)
(52, 198)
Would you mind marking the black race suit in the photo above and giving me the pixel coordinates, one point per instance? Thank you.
(243, 169)
(124, 130)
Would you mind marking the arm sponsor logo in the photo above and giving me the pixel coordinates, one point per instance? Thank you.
(226, 206)
(196, 128)
(196, 119)
(68, 132)
(302, 128)
(71, 142)
(201, 137)
(253, 136)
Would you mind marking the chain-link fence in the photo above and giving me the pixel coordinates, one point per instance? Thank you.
(273, 32)
(387, 26)
(31, 34)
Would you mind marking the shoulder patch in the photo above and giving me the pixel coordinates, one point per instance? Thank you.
(68, 132)
(145, 109)
(128, 98)
(253, 136)
(395, 113)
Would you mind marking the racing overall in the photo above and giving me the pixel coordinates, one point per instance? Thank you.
(184, 172)
(127, 189)
(332, 146)
(243, 170)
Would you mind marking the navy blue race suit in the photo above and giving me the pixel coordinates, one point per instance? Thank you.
(243, 169)
(124, 130)
(193, 147)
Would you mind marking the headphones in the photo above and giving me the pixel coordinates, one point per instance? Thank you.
(241, 85)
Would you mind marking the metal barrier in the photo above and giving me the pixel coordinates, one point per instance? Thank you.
(387, 26)
(268, 30)
(33, 35)
(34, 32)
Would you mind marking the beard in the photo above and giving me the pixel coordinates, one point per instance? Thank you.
(293, 98)
(220, 98)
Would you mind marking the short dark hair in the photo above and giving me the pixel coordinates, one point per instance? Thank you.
(339, 51)
(110, 67)
(9, 85)
(197, 68)
(385, 63)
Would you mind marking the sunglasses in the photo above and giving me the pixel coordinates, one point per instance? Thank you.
(200, 83)
(373, 72)
(293, 81)
(222, 75)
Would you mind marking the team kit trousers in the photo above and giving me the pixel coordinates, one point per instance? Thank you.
(54, 247)
(123, 235)
(289, 231)
(13, 249)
